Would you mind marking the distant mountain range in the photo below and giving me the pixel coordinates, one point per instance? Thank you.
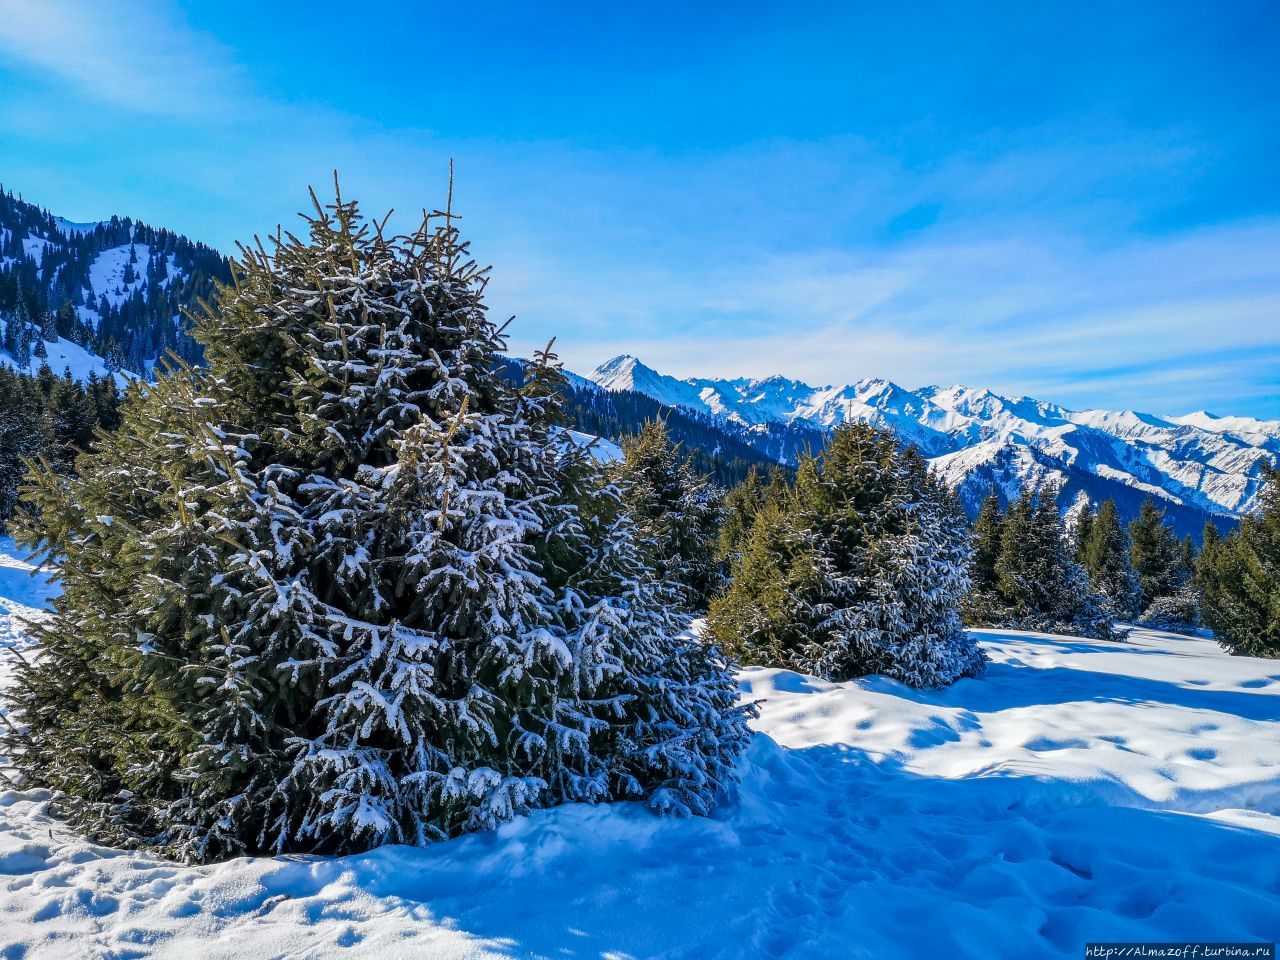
(108, 297)
(1200, 466)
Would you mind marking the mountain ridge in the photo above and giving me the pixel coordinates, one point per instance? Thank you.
(107, 297)
(1201, 465)
(102, 297)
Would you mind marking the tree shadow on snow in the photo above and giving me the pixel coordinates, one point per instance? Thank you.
(829, 847)
(1010, 687)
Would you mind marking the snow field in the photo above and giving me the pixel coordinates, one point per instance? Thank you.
(64, 355)
(20, 584)
(1081, 790)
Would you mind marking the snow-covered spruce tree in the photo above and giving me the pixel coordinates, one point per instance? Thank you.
(1104, 552)
(910, 626)
(676, 511)
(859, 569)
(1175, 611)
(1041, 586)
(347, 587)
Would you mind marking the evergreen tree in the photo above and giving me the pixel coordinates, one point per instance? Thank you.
(677, 513)
(1082, 532)
(741, 504)
(1155, 553)
(859, 568)
(49, 418)
(65, 323)
(345, 586)
(983, 606)
(1178, 609)
(21, 335)
(1040, 584)
(773, 607)
(1184, 568)
(1239, 578)
(1104, 553)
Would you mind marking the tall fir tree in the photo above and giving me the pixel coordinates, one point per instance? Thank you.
(345, 586)
(1082, 532)
(741, 504)
(1155, 553)
(983, 606)
(1180, 607)
(677, 513)
(1105, 554)
(1039, 582)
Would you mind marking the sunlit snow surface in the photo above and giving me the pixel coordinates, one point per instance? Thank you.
(1080, 791)
(65, 355)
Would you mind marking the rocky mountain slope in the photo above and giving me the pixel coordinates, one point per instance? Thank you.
(1201, 466)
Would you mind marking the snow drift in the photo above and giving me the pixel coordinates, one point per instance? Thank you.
(1081, 790)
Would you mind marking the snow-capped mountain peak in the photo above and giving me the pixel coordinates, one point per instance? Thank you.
(1201, 465)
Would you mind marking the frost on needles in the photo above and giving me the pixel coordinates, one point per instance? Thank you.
(345, 586)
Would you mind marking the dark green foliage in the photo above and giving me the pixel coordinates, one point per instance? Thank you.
(346, 585)
(1082, 534)
(1104, 552)
(1157, 554)
(677, 513)
(857, 568)
(982, 604)
(1239, 579)
(741, 505)
(1034, 583)
(48, 417)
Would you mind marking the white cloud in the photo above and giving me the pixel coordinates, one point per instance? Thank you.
(129, 55)
(769, 257)
(1156, 324)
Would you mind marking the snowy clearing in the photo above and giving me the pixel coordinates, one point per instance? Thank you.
(1081, 790)
(65, 355)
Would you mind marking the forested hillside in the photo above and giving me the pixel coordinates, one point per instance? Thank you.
(117, 289)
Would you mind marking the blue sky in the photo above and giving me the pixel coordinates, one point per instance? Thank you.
(1078, 201)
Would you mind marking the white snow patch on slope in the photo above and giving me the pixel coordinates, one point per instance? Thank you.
(1081, 790)
(604, 450)
(601, 449)
(1254, 430)
(106, 273)
(20, 581)
(64, 355)
(70, 226)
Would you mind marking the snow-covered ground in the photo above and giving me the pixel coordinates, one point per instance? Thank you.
(1081, 790)
(20, 582)
(65, 355)
(602, 449)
